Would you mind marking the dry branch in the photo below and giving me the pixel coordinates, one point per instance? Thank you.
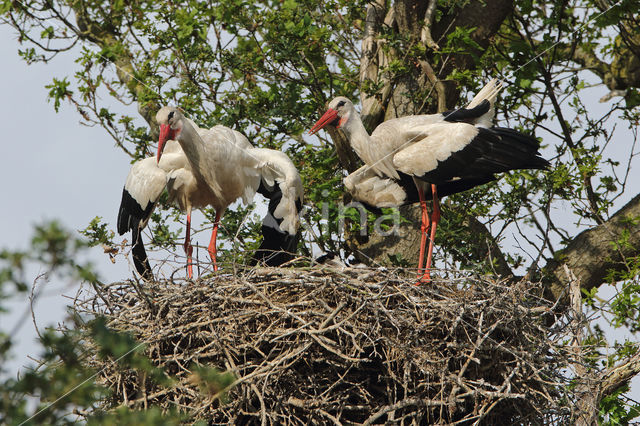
(355, 346)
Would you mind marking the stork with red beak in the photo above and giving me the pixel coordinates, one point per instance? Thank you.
(421, 157)
(144, 185)
(212, 167)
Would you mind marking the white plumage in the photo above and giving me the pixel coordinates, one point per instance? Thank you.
(434, 143)
(209, 167)
(412, 144)
(364, 184)
(416, 157)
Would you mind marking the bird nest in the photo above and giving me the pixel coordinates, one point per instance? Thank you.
(339, 346)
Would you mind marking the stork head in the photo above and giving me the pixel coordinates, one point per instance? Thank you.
(170, 120)
(338, 113)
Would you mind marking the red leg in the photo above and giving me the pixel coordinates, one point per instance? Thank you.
(212, 244)
(424, 228)
(435, 218)
(188, 248)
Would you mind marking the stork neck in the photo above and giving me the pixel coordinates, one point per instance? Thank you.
(358, 138)
(192, 145)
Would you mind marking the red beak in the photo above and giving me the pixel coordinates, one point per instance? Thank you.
(165, 134)
(329, 117)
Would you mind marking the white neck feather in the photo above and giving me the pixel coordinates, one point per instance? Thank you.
(358, 137)
(362, 143)
(192, 145)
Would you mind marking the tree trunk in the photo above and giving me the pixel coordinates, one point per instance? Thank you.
(403, 96)
(595, 252)
(383, 250)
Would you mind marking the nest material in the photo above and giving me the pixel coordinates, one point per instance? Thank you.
(351, 346)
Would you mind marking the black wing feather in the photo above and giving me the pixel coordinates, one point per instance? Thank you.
(131, 217)
(492, 151)
(277, 247)
(467, 114)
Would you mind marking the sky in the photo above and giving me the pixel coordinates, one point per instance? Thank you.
(56, 168)
(53, 168)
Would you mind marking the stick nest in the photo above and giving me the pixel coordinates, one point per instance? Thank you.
(352, 346)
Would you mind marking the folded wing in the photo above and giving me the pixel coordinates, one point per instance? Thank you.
(143, 187)
(279, 182)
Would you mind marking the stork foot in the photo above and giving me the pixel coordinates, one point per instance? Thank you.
(424, 278)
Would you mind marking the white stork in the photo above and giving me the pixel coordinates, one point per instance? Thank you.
(416, 158)
(211, 167)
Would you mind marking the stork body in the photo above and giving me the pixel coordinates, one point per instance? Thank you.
(144, 185)
(423, 157)
(211, 167)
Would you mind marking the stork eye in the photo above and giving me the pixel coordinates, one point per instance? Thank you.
(171, 115)
(340, 104)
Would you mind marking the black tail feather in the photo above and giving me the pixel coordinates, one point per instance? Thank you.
(140, 259)
(131, 217)
(277, 247)
(467, 114)
(526, 147)
(491, 151)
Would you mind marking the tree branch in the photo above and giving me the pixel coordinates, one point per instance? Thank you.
(439, 86)
(595, 387)
(564, 125)
(619, 375)
(373, 59)
(101, 37)
(593, 253)
(485, 16)
(621, 74)
(490, 250)
(425, 35)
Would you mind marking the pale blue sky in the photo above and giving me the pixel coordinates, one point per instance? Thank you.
(53, 168)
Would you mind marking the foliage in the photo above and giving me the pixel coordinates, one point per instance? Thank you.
(267, 69)
(62, 379)
(616, 409)
(52, 246)
(98, 233)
